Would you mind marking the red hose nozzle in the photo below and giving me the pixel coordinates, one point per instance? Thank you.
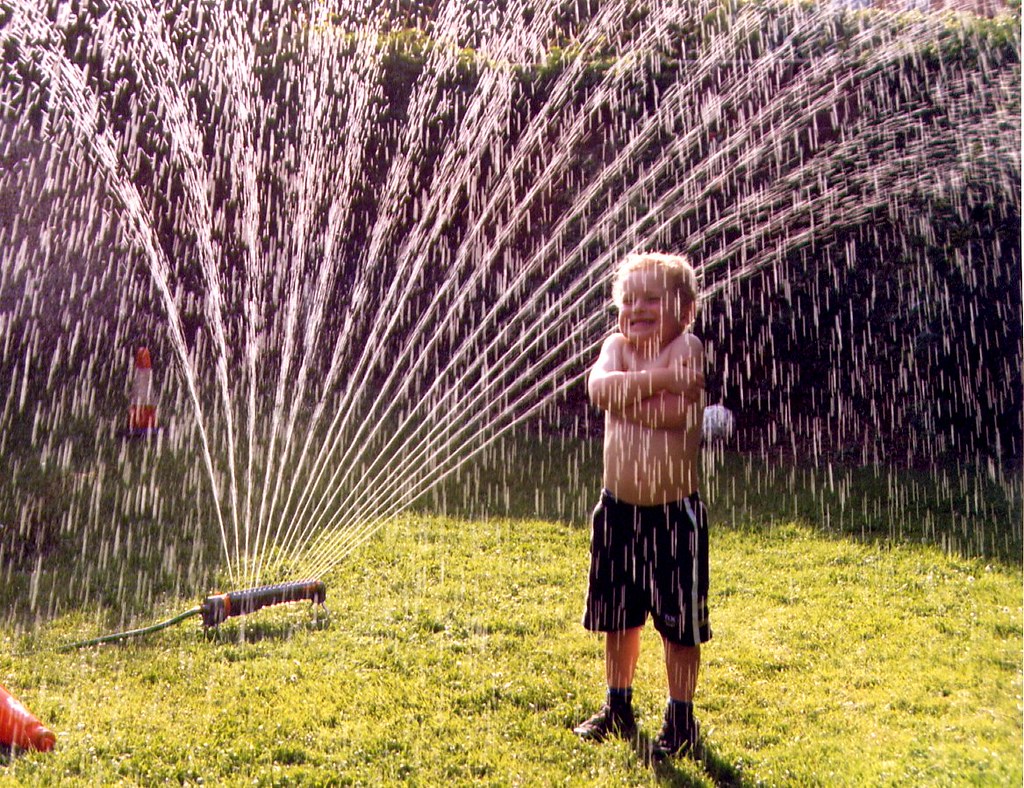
(20, 728)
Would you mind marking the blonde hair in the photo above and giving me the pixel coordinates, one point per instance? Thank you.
(679, 275)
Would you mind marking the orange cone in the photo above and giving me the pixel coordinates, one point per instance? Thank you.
(20, 728)
(142, 409)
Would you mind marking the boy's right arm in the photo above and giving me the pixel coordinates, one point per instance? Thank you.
(605, 384)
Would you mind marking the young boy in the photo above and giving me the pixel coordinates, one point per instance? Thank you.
(649, 547)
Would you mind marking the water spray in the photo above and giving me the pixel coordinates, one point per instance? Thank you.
(217, 608)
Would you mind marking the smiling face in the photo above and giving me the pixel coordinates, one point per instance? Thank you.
(651, 312)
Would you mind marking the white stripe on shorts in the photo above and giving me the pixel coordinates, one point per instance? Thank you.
(694, 546)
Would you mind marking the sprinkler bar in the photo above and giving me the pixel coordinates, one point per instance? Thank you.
(217, 608)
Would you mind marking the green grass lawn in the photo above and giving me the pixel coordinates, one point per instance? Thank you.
(453, 655)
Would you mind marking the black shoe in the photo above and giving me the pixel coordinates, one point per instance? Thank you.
(609, 720)
(677, 740)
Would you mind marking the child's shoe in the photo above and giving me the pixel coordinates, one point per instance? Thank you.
(611, 719)
(678, 736)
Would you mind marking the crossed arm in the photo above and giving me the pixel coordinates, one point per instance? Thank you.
(663, 397)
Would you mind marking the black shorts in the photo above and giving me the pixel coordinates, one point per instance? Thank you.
(650, 559)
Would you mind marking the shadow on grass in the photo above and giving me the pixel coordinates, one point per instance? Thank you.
(9, 753)
(666, 772)
(257, 631)
(721, 771)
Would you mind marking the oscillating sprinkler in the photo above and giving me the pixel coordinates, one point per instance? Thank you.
(220, 607)
(217, 608)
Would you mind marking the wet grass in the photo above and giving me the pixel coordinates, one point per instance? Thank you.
(453, 655)
(116, 531)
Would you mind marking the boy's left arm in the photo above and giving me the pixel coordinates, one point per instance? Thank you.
(677, 410)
